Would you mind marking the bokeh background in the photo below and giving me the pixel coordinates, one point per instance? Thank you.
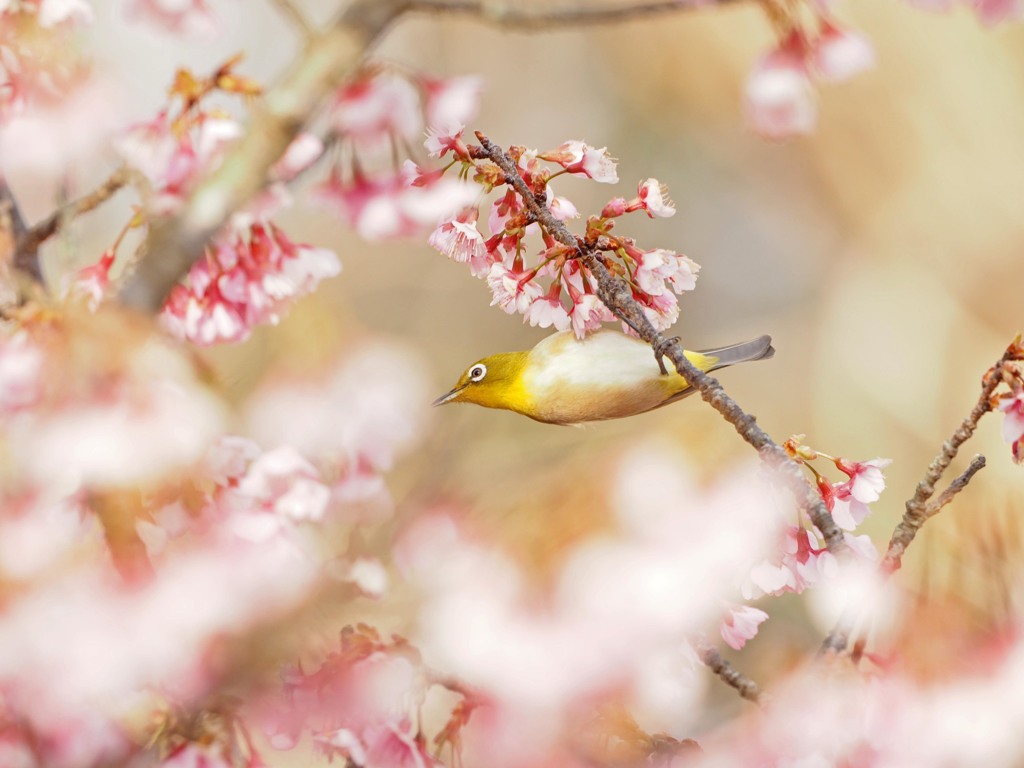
(883, 254)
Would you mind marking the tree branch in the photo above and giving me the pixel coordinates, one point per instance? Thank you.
(510, 14)
(295, 16)
(918, 508)
(176, 242)
(731, 676)
(12, 229)
(26, 254)
(617, 296)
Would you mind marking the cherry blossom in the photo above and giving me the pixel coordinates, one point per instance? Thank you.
(1013, 418)
(653, 199)
(740, 625)
(460, 240)
(547, 311)
(839, 54)
(372, 109)
(243, 283)
(779, 98)
(451, 101)
(53, 12)
(578, 157)
(187, 18)
(866, 479)
(304, 150)
(21, 367)
(512, 289)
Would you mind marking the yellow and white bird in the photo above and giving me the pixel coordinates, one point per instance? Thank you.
(606, 375)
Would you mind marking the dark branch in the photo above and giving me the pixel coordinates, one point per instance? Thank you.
(731, 676)
(511, 14)
(12, 227)
(919, 507)
(26, 255)
(618, 297)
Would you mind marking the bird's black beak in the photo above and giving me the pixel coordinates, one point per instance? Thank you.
(447, 398)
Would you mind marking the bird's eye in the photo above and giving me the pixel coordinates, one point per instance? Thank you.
(477, 372)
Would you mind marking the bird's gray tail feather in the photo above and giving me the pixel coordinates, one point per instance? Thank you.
(757, 349)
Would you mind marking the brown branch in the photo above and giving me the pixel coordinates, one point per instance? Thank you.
(918, 508)
(176, 242)
(295, 16)
(961, 481)
(731, 676)
(26, 255)
(618, 297)
(509, 13)
(12, 229)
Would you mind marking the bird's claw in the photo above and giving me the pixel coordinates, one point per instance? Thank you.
(659, 352)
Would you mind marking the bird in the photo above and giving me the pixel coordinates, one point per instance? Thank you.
(606, 375)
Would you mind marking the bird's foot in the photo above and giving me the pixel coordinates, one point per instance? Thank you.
(659, 352)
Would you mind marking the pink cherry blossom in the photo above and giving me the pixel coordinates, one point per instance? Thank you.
(191, 19)
(193, 755)
(243, 283)
(461, 241)
(284, 483)
(779, 98)
(653, 199)
(866, 479)
(388, 206)
(801, 562)
(304, 150)
(90, 283)
(992, 12)
(578, 157)
(847, 510)
(21, 367)
(657, 266)
(512, 291)
(53, 12)
(452, 101)
(740, 625)
(1013, 418)
(588, 313)
(547, 311)
(440, 142)
(375, 108)
(839, 54)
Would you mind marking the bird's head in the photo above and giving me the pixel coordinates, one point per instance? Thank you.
(494, 382)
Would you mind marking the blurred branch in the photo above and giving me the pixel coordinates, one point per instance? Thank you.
(26, 254)
(12, 229)
(617, 296)
(919, 507)
(510, 13)
(330, 56)
(295, 16)
(731, 676)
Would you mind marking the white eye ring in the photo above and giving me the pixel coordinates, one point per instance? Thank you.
(477, 372)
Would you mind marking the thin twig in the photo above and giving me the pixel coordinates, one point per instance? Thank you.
(961, 481)
(618, 297)
(731, 676)
(331, 56)
(918, 508)
(295, 16)
(511, 14)
(26, 252)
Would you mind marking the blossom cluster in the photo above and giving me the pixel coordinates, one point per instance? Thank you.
(555, 289)
(801, 560)
(34, 62)
(780, 96)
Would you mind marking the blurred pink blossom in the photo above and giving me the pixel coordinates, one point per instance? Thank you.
(21, 366)
(779, 98)
(839, 54)
(188, 18)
